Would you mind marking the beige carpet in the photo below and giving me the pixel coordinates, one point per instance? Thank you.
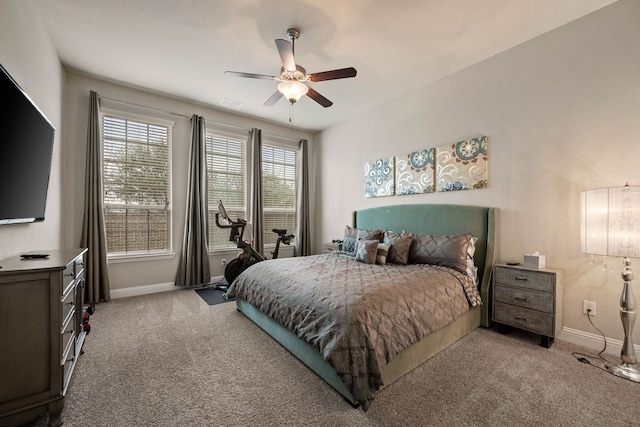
(172, 360)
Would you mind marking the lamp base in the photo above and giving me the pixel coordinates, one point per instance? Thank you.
(625, 370)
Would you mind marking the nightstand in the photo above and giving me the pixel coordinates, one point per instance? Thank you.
(528, 299)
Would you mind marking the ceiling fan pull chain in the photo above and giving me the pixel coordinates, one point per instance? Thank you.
(291, 114)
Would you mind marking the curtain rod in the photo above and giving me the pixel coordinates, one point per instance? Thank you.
(189, 117)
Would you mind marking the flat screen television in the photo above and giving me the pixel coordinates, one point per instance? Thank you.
(26, 147)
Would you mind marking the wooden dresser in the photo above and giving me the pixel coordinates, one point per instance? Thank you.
(528, 299)
(41, 333)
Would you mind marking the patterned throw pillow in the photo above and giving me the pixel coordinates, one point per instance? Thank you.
(446, 250)
(399, 245)
(351, 236)
(349, 240)
(383, 252)
(366, 251)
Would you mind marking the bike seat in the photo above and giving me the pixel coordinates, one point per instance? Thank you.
(279, 231)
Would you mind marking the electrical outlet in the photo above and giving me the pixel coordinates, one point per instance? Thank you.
(223, 261)
(589, 305)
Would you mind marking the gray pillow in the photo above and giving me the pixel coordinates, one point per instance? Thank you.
(449, 250)
(366, 251)
(371, 234)
(349, 240)
(351, 236)
(399, 245)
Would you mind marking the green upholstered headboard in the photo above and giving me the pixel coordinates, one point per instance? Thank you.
(442, 219)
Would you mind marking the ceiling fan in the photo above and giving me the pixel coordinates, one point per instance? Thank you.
(292, 76)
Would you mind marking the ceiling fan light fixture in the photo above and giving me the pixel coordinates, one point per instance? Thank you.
(293, 90)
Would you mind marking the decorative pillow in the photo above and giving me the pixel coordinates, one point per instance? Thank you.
(472, 270)
(351, 236)
(449, 250)
(371, 234)
(366, 251)
(350, 239)
(383, 251)
(399, 245)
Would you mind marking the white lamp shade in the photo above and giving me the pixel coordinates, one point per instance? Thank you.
(610, 223)
(293, 89)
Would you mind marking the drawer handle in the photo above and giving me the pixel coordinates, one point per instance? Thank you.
(522, 278)
(71, 360)
(68, 275)
(519, 298)
(524, 319)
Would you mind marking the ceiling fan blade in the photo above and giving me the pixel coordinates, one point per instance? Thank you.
(273, 99)
(250, 75)
(342, 73)
(285, 49)
(319, 98)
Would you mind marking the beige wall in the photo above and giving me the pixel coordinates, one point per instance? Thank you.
(562, 114)
(27, 53)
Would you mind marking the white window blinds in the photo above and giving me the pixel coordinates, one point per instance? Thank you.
(227, 177)
(279, 190)
(137, 184)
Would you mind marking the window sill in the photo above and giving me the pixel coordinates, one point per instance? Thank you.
(117, 259)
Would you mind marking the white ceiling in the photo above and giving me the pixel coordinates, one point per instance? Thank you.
(182, 48)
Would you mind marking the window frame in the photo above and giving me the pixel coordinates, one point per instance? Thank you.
(242, 137)
(137, 114)
(275, 143)
(267, 141)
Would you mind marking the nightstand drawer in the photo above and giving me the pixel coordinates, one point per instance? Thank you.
(530, 279)
(519, 317)
(534, 300)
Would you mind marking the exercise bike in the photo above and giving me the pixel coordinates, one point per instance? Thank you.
(249, 255)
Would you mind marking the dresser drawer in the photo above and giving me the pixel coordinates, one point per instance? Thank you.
(79, 267)
(534, 300)
(68, 275)
(67, 304)
(68, 336)
(530, 279)
(524, 318)
(67, 364)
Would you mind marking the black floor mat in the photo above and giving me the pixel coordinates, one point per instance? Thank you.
(212, 295)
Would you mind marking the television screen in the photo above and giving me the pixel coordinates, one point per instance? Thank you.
(26, 147)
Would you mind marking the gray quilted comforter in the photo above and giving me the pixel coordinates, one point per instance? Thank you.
(358, 316)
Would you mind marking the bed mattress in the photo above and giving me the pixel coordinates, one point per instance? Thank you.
(357, 316)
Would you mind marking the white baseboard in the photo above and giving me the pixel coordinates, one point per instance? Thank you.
(592, 341)
(149, 289)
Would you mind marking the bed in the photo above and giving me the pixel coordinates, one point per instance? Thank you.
(361, 325)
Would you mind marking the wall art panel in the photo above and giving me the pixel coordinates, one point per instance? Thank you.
(379, 178)
(462, 165)
(415, 172)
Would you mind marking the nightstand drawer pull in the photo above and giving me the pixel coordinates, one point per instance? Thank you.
(522, 278)
(520, 298)
(524, 319)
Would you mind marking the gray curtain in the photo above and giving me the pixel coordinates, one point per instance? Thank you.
(193, 268)
(93, 230)
(257, 216)
(303, 233)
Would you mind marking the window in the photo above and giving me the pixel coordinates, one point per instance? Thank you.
(279, 192)
(136, 183)
(228, 180)
(227, 177)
